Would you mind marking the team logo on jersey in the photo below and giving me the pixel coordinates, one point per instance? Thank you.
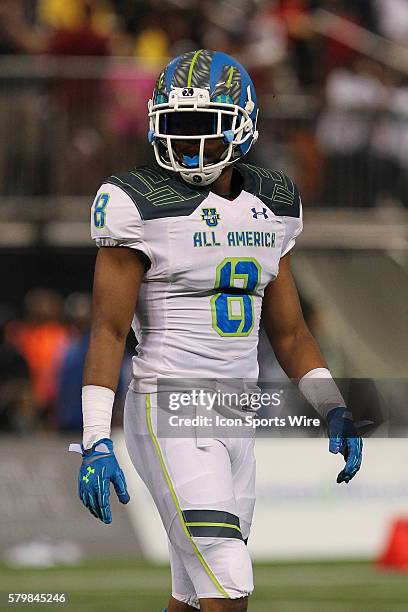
(257, 213)
(210, 216)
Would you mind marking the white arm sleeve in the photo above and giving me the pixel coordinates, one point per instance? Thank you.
(115, 220)
(293, 227)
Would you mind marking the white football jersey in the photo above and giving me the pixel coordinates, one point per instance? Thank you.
(211, 258)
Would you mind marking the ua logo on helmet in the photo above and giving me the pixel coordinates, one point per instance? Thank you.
(197, 178)
(188, 91)
(256, 213)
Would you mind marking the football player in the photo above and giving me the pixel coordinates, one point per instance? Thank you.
(200, 241)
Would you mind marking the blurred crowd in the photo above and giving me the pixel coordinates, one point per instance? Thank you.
(42, 356)
(331, 77)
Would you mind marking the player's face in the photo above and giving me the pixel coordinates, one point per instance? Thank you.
(196, 124)
(213, 149)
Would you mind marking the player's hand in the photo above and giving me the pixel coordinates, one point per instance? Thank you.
(344, 439)
(99, 468)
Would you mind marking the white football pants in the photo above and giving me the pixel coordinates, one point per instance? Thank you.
(205, 497)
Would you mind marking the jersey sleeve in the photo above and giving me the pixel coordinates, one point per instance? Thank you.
(293, 227)
(116, 221)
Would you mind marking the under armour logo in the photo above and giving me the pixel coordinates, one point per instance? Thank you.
(256, 213)
(90, 471)
(187, 91)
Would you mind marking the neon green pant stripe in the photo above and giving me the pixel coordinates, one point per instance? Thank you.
(190, 72)
(213, 525)
(176, 502)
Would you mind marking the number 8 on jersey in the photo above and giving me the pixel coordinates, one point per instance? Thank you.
(233, 312)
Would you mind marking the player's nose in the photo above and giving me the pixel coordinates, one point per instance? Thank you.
(189, 148)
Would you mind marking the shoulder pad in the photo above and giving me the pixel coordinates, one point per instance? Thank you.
(157, 193)
(273, 188)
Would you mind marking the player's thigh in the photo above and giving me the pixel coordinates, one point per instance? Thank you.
(194, 493)
(243, 467)
(180, 476)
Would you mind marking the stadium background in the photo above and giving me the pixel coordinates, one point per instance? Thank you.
(333, 91)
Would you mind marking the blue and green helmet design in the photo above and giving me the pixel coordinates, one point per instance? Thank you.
(226, 80)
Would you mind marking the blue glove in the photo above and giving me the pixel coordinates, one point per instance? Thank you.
(100, 467)
(344, 439)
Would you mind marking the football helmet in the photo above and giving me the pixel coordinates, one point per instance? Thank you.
(201, 96)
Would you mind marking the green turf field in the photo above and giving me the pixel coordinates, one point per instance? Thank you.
(136, 587)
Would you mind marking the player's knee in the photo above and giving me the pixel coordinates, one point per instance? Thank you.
(230, 563)
(224, 605)
(182, 603)
(216, 562)
(240, 605)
